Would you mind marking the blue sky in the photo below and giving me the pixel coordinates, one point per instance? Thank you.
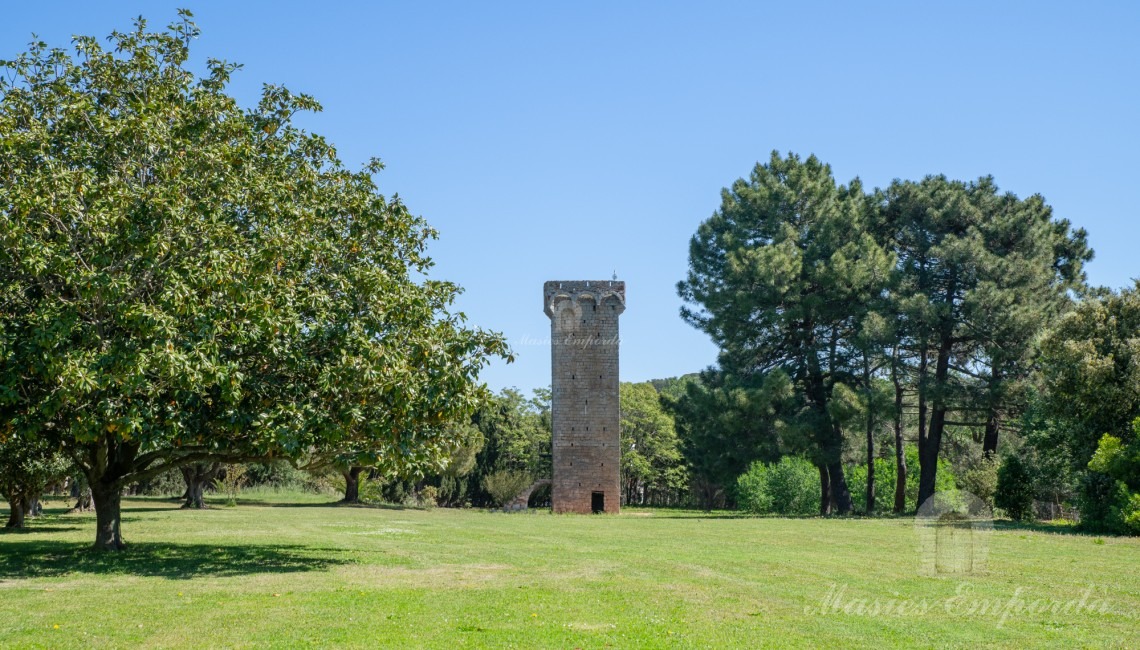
(566, 141)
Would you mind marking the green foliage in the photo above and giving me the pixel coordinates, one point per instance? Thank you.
(1090, 366)
(752, 493)
(231, 482)
(979, 274)
(652, 468)
(508, 432)
(981, 479)
(277, 474)
(789, 487)
(885, 475)
(26, 467)
(1091, 370)
(1014, 492)
(780, 277)
(428, 496)
(1118, 459)
(166, 484)
(884, 485)
(505, 484)
(185, 280)
(723, 424)
(1117, 462)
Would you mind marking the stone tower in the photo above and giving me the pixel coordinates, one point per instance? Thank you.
(584, 363)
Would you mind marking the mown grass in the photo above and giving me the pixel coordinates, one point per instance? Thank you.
(290, 570)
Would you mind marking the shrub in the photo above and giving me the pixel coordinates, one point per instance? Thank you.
(794, 485)
(167, 484)
(278, 474)
(885, 473)
(884, 486)
(231, 482)
(944, 481)
(505, 484)
(981, 479)
(452, 490)
(790, 487)
(1014, 492)
(429, 496)
(1106, 506)
(752, 494)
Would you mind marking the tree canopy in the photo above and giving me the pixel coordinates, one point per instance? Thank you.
(182, 279)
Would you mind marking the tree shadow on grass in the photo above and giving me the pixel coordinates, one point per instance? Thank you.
(50, 559)
(1045, 527)
(322, 504)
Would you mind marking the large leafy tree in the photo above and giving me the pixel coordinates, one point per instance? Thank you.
(652, 468)
(979, 272)
(182, 280)
(27, 465)
(781, 277)
(1090, 365)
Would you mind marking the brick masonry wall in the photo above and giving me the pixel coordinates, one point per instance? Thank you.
(584, 410)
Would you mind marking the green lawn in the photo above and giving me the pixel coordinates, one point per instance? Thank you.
(291, 571)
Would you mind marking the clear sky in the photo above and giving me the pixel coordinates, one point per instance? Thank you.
(567, 141)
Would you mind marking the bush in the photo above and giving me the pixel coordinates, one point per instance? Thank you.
(790, 487)
(752, 494)
(884, 486)
(505, 484)
(231, 482)
(885, 473)
(453, 491)
(429, 496)
(1106, 506)
(944, 481)
(167, 484)
(981, 479)
(1014, 492)
(278, 474)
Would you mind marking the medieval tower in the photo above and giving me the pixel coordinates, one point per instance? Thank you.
(584, 410)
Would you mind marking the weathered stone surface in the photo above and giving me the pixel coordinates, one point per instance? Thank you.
(584, 355)
(521, 501)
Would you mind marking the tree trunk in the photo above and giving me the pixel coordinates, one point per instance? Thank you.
(824, 491)
(870, 510)
(82, 500)
(993, 422)
(32, 507)
(197, 476)
(108, 515)
(352, 485)
(900, 452)
(989, 443)
(929, 448)
(15, 512)
(870, 467)
(840, 494)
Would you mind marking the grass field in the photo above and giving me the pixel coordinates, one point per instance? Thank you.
(292, 571)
